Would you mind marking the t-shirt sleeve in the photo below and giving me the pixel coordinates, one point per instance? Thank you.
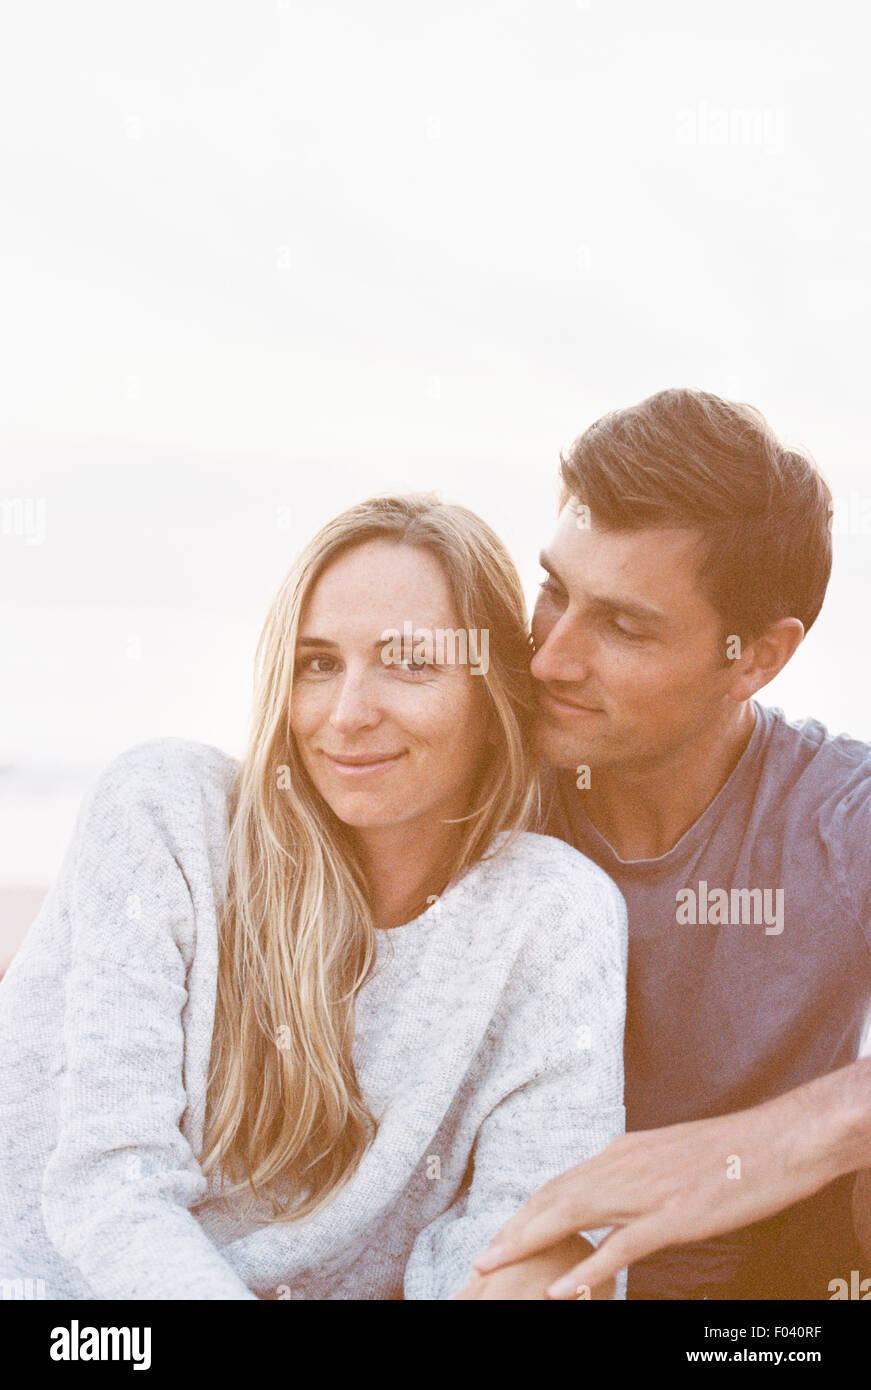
(559, 1055)
(119, 1182)
(848, 837)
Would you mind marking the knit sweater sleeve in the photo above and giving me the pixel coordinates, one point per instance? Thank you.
(118, 1185)
(557, 1050)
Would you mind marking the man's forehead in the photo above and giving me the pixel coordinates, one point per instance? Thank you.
(577, 535)
(655, 565)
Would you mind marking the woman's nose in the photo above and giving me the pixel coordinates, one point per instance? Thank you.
(353, 706)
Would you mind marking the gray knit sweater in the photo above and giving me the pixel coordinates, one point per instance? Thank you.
(492, 1026)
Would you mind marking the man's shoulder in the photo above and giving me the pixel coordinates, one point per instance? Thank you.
(808, 739)
(807, 767)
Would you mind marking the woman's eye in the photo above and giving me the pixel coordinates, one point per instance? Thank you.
(415, 668)
(309, 665)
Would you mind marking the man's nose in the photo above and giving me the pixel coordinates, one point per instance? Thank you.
(564, 655)
(354, 704)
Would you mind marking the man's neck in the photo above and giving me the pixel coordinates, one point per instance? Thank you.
(643, 811)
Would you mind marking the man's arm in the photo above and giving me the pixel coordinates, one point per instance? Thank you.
(668, 1186)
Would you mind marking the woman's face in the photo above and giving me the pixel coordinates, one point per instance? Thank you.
(386, 743)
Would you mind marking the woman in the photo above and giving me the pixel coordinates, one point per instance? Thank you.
(316, 1025)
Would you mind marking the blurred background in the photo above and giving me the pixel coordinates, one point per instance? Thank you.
(262, 260)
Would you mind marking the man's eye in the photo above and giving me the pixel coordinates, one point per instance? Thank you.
(626, 632)
(415, 668)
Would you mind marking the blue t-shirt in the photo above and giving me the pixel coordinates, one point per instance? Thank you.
(749, 969)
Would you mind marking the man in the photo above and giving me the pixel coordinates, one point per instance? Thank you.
(691, 556)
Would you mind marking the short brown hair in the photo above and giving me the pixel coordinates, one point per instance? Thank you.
(685, 458)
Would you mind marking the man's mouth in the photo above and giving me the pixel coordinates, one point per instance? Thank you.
(563, 708)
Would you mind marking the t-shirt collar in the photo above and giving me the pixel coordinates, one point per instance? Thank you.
(700, 827)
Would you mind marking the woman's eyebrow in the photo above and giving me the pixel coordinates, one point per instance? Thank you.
(377, 645)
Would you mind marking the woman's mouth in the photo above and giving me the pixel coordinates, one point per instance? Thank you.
(358, 765)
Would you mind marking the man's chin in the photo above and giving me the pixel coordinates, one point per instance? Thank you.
(557, 746)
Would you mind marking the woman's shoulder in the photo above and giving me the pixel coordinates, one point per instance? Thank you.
(547, 860)
(565, 907)
(170, 787)
(552, 880)
(165, 766)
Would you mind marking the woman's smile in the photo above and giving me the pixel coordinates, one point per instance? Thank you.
(356, 765)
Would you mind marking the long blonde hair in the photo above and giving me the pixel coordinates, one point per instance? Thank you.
(296, 933)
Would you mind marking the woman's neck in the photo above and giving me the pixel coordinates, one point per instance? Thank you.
(407, 866)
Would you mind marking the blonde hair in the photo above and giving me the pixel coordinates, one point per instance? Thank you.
(296, 933)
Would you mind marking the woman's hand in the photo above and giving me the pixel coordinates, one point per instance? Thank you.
(671, 1186)
(530, 1278)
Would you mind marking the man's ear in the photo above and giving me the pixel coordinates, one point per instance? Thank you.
(759, 661)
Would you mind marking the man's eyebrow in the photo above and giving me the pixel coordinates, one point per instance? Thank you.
(630, 608)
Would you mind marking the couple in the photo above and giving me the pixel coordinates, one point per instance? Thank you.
(325, 1024)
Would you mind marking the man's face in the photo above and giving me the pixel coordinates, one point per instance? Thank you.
(630, 651)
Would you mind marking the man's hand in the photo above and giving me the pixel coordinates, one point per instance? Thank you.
(530, 1278)
(686, 1182)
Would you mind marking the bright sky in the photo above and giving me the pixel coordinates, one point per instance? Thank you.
(260, 260)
